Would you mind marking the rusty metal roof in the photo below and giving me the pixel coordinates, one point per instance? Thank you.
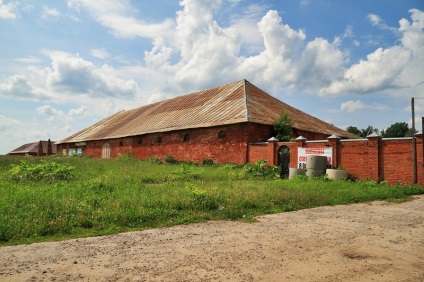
(32, 148)
(235, 102)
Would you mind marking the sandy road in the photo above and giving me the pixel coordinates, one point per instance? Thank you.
(375, 241)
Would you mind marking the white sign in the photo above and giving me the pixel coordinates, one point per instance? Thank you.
(303, 153)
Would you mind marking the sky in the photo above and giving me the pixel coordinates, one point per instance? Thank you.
(65, 65)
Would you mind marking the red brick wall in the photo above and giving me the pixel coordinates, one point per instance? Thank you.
(372, 158)
(203, 143)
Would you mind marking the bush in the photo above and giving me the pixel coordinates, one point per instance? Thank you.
(207, 162)
(44, 170)
(262, 169)
(154, 160)
(170, 159)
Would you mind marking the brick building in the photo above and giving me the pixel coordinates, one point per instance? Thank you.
(216, 123)
(41, 148)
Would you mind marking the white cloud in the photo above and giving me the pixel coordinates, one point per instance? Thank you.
(358, 105)
(49, 110)
(118, 17)
(7, 10)
(400, 66)
(80, 112)
(50, 13)
(74, 75)
(100, 53)
(18, 87)
(377, 21)
(29, 60)
(352, 106)
(7, 123)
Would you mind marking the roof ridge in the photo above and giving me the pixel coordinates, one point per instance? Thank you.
(245, 100)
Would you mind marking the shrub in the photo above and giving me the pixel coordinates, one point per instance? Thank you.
(170, 159)
(44, 170)
(262, 169)
(127, 156)
(207, 162)
(154, 160)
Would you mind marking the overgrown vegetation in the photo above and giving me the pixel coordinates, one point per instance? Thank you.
(64, 197)
(283, 127)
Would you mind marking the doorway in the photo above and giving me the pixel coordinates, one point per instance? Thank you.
(284, 160)
(106, 151)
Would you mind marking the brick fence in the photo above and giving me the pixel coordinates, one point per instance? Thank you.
(375, 158)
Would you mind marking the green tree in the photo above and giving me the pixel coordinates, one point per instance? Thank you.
(369, 130)
(398, 129)
(283, 127)
(354, 130)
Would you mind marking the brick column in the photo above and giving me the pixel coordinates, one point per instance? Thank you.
(374, 169)
(334, 142)
(272, 156)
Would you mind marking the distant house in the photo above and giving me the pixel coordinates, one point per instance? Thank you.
(40, 148)
(216, 124)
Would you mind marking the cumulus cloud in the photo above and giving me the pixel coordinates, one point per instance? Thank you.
(72, 74)
(7, 11)
(18, 87)
(396, 67)
(81, 111)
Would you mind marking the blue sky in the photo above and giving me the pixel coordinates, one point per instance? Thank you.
(65, 65)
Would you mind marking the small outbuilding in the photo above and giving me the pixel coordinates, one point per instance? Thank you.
(215, 124)
(40, 148)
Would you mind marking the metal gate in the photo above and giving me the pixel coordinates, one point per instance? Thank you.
(284, 160)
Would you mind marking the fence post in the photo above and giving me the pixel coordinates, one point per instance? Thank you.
(374, 169)
(334, 142)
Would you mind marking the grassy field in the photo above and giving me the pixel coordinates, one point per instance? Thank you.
(55, 198)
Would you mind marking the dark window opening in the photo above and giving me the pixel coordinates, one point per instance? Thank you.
(121, 144)
(159, 140)
(186, 137)
(221, 135)
(140, 141)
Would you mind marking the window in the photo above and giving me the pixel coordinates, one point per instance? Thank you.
(121, 144)
(140, 141)
(186, 137)
(159, 140)
(221, 135)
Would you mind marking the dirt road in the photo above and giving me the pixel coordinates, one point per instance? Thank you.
(375, 241)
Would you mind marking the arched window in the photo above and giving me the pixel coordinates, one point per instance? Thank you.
(186, 137)
(221, 135)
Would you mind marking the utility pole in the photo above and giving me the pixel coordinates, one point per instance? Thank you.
(414, 142)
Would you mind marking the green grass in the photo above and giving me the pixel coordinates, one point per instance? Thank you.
(107, 196)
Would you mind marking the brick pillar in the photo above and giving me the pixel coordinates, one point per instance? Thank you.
(374, 170)
(334, 142)
(272, 156)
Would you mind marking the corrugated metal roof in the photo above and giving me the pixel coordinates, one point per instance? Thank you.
(231, 103)
(33, 148)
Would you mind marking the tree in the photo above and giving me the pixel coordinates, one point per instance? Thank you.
(354, 130)
(283, 127)
(369, 130)
(363, 133)
(398, 129)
